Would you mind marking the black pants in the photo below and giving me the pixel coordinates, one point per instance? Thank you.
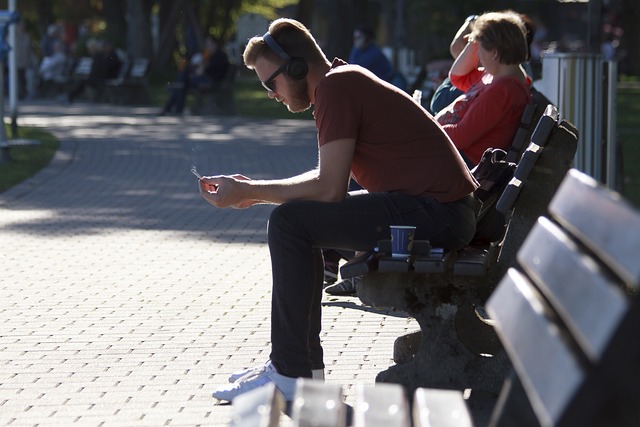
(299, 229)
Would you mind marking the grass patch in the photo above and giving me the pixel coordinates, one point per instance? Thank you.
(27, 161)
(628, 124)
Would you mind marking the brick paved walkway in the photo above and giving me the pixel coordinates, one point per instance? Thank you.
(125, 298)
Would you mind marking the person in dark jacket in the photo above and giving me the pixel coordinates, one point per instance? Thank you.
(205, 70)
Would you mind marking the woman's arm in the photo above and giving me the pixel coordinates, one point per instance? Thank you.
(460, 39)
(466, 62)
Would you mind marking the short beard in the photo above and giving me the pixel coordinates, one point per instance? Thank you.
(300, 101)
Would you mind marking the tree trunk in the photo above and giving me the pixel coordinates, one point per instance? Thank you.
(168, 19)
(138, 17)
(114, 15)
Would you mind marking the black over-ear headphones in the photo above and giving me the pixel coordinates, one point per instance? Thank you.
(296, 68)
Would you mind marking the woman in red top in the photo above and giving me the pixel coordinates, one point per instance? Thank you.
(487, 115)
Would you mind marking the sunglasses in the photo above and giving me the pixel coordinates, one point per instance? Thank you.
(268, 84)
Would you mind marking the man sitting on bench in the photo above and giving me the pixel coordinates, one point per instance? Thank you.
(368, 129)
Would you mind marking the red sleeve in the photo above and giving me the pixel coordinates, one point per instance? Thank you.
(466, 81)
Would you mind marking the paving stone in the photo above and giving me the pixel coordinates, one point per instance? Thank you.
(126, 299)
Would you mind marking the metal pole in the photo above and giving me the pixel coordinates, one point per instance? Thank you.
(13, 74)
(5, 155)
(612, 139)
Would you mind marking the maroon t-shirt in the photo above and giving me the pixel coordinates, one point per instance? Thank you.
(399, 145)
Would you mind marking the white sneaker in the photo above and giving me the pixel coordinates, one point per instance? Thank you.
(239, 374)
(316, 374)
(266, 374)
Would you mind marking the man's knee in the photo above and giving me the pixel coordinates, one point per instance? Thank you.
(289, 216)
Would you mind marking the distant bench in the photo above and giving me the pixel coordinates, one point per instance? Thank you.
(130, 87)
(218, 99)
(445, 291)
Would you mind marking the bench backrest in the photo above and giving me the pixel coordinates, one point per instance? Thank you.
(83, 67)
(546, 125)
(534, 197)
(531, 114)
(497, 166)
(139, 67)
(522, 134)
(567, 315)
(495, 213)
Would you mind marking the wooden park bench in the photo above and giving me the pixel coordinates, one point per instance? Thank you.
(58, 84)
(456, 347)
(75, 71)
(131, 86)
(81, 69)
(568, 315)
(445, 290)
(320, 404)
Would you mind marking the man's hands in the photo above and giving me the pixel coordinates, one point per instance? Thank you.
(327, 183)
(225, 191)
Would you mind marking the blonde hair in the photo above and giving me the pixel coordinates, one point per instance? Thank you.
(505, 32)
(292, 36)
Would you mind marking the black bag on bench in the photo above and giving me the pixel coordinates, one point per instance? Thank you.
(493, 173)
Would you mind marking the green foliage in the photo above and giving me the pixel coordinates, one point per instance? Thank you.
(266, 8)
(628, 109)
(430, 25)
(629, 79)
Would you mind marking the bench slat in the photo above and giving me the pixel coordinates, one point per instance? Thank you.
(581, 206)
(438, 261)
(545, 126)
(261, 407)
(589, 303)
(440, 408)
(520, 138)
(360, 265)
(387, 264)
(83, 67)
(475, 260)
(318, 404)
(548, 369)
(382, 405)
(513, 189)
